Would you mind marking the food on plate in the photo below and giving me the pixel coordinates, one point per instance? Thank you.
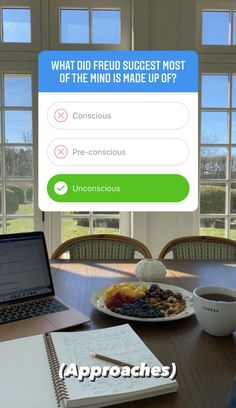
(142, 301)
(126, 289)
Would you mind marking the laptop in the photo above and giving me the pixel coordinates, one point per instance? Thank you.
(28, 304)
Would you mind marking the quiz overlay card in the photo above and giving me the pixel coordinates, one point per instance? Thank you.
(118, 130)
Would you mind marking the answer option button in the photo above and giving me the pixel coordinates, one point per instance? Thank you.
(115, 188)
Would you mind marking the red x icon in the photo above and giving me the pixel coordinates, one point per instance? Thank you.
(60, 115)
(60, 151)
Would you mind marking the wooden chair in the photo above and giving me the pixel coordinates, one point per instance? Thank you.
(102, 246)
(200, 247)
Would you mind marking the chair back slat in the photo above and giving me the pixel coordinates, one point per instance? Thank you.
(200, 248)
(102, 250)
(102, 246)
(203, 251)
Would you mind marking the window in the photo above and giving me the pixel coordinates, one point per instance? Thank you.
(106, 27)
(74, 27)
(17, 195)
(20, 26)
(83, 223)
(218, 155)
(100, 24)
(216, 26)
(90, 26)
(216, 38)
(16, 25)
(17, 90)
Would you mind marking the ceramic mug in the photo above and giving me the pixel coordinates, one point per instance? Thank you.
(216, 317)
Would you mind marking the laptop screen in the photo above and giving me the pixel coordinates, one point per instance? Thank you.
(24, 267)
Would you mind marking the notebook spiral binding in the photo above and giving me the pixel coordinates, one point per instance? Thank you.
(59, 385)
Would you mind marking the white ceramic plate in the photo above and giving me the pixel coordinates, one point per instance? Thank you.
(97, 300)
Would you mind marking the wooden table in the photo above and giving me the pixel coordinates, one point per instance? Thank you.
(206, 364)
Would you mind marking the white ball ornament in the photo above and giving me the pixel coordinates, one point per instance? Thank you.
(150, 270)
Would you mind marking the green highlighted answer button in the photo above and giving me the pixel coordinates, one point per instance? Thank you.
(99, 188)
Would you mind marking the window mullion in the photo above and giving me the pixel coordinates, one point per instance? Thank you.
(90, 26)
(1, 26)
(231, 27)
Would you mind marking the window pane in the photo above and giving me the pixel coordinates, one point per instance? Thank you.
(233, 163)
(16, 25)
(75, 26)
(18, 162)
(19, 225)
(234, 28)
(212, 226)
(106, 27)
(74, 227)
(17, 90)
(234, 91)
(81, 222)
(233, 129)
(0, 163)
(233, 199)
(214, 127)
(19, 195)
(106, 226)
(215, 91)
(1, 199)
(232, 232)
(212, 198)
(216, 28)
(18, 126)
(213, 163)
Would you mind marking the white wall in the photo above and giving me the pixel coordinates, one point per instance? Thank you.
(163, 24)
(156, 229)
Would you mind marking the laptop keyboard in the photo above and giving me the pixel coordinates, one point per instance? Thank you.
(10, 314)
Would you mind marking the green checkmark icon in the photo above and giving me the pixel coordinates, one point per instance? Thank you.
(60, 187)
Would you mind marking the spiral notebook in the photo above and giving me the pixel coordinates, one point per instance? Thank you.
(29, 371)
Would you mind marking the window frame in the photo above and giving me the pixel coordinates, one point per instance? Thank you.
(213, 59)
(24, 67)
(123, 5)
(227, 69)
(36, 42)
(213, 5)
